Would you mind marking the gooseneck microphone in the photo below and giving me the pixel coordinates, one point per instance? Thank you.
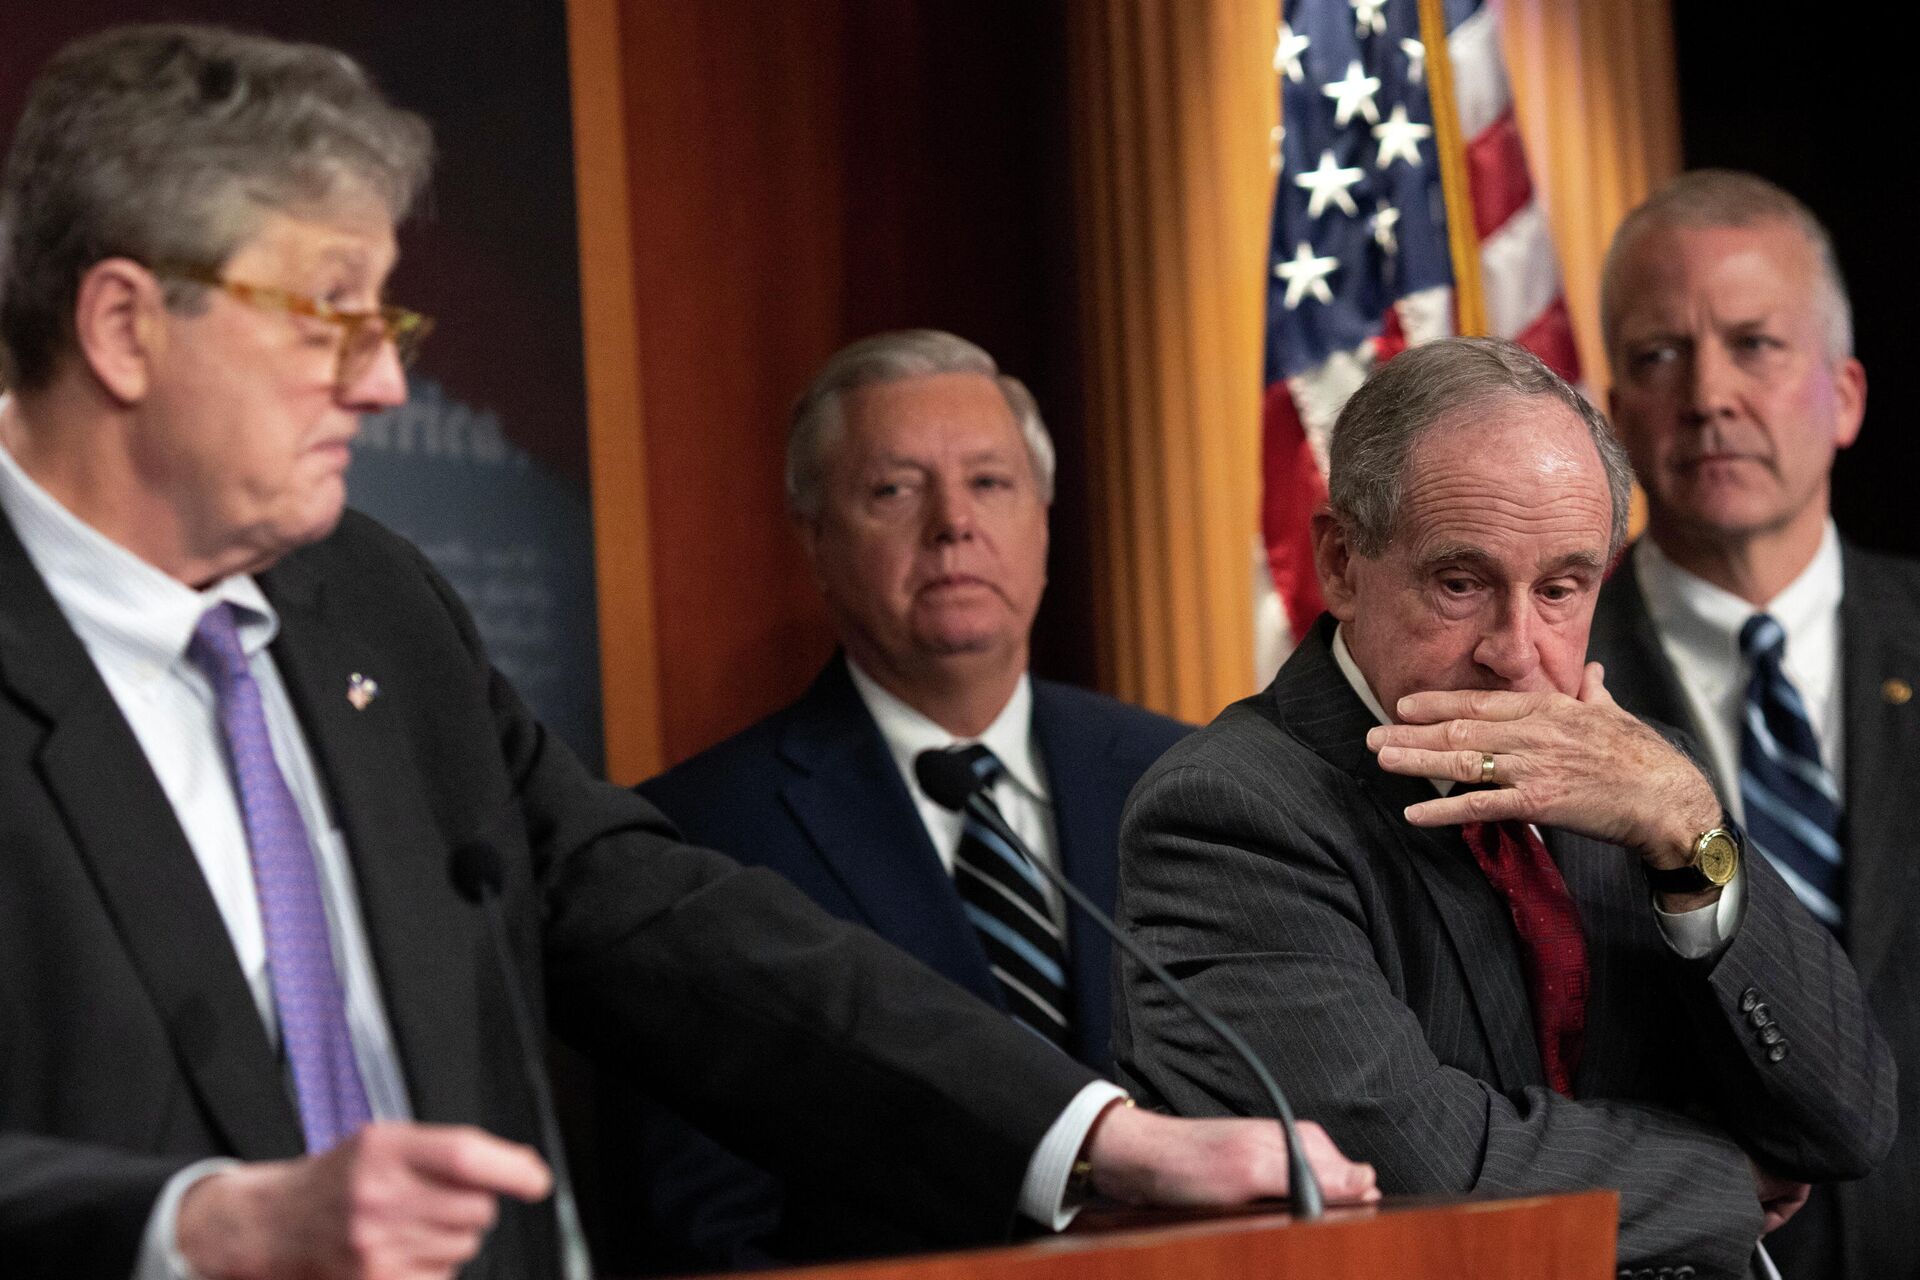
(949, 779)
(475, 868)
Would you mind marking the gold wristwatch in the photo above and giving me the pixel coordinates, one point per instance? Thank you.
(1716, 856)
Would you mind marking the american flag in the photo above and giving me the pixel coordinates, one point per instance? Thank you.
(1360, 266)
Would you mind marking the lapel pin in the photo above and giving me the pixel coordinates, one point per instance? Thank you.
(1896, 691)
(361, 690)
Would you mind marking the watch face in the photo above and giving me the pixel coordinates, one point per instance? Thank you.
(1719, 855)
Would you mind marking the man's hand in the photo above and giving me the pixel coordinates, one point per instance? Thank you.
(1581, 764)
(1780, 1197)
(394, 1202)
(1145, 1159)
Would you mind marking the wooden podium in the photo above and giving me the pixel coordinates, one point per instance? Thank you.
(1568, 1237)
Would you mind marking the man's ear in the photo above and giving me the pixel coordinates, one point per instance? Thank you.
(119, 324)
(1333, 560)
(1850, 401)
(807, 530)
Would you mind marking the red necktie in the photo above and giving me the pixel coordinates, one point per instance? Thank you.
(1515, 861)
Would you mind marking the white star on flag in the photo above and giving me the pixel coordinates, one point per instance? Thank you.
(1400, 138)
(1368, 18)
(1328, 183)
(1416, 59)
(1355, 93)
(1286, 54)
(1306, 274)
(1383, 222)
(1276, 157)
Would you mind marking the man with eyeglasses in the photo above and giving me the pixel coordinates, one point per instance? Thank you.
(248, 1027)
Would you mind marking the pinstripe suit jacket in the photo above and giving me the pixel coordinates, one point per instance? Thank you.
(1862, 1229)
(1265, 859)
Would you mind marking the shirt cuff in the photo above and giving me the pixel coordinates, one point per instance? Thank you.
(1043, 1194)
(1704, 932)
(159, 1257)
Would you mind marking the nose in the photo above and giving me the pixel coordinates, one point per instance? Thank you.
(1712, 383)
(382, 384)
(951, 514)
(1508, 647)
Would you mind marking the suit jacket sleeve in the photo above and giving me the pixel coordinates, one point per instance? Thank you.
(808, 1042)
(1251, 882)
(799, 1039)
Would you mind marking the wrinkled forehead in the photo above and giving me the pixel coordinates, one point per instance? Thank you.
(354, 240)
(1512, 467)
(927, 416)
(1666, 265)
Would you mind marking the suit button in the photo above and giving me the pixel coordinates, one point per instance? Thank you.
(1771, 1034)
(1748, 999)
(1760, 1015)
(1776, 1053)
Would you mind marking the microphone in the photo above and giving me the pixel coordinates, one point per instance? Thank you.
(475, 870)
(949, 780)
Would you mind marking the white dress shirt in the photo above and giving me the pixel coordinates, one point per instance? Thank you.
(1700, 934)
(135, 623)
(1026, 802)
(1021, 792)
(1699, 628)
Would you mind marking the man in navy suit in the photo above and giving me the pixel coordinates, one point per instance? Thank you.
(1734, 387)
(919, 478)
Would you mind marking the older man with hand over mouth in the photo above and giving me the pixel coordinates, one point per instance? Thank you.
(1495, 933)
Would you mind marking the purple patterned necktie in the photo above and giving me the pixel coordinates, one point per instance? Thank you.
(306, 989)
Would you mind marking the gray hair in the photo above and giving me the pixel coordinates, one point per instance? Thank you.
(1415, 392)
(1727, 198)
(170, 145)
(890, 357)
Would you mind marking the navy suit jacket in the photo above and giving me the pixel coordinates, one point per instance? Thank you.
(813, 793)
(1860, 1229)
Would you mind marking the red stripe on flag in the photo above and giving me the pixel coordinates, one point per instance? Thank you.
(1293, 488)
(1392, 340)
(1497, 174)
(1550, 337)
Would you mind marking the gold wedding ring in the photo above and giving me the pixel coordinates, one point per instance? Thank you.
(1486, 769)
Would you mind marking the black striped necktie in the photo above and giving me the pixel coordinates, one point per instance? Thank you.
(1004, 901)
(1792, 805)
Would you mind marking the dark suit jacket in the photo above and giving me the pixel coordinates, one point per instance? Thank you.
(1862, 1229)
(813, 793)
(1265, 859)
(129, 1044)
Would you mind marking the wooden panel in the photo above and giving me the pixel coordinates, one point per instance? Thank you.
(731, 122)
(1567, 1237)
(801, 175)
(629, 654)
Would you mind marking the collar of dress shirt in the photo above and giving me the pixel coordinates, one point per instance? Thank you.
(1348, 668)
(1704, 621)
(126, 611)
(908, 733)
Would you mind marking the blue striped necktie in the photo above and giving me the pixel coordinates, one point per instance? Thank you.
(1792, 804)
(307, 992)
(1007, 907)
